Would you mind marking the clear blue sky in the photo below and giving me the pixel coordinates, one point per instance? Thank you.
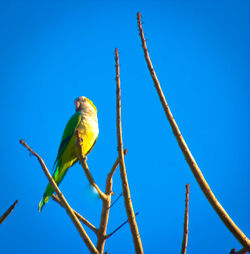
(53, 51)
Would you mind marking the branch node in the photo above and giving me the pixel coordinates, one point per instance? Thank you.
(121, 194)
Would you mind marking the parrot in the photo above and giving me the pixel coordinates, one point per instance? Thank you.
(85, 121)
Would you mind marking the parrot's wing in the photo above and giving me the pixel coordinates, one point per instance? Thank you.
(68, 133)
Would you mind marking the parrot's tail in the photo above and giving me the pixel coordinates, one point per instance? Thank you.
(46, 197)
(58, 175)
(48, 193)
(43, 201)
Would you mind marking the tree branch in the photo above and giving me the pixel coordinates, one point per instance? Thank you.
(105, 209)
(185, 231)
(125, 152)
(242, 251)
(86, 169)
(8, 212)
(125, 186)
(68, 209)
(106, 197)
(79, 216)
(239, 235)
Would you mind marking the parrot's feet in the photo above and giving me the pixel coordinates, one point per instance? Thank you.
(84, 158)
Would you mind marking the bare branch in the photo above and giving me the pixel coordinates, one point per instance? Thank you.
(104, 219)
(125, 222)
(68, 209)
(106, 197)
(242, 251)
(86, 169)
(239, 235)
(105, 210)
(8, 212)
(79, 216)
(117, 163)
(101, 237)
(125, 186)
(185, 231)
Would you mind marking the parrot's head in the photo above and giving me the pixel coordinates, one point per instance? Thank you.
(84, 104)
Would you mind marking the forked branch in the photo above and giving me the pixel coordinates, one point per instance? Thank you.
(65, 204)
(105, 197)
(239, 235)
(125, 186)
(101, 237)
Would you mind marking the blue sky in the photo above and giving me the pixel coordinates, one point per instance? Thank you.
(54, 51)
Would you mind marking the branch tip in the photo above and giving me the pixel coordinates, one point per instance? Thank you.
(138, 16)
(126, 192)
(229, 223)
(67, 207)
(8, 212)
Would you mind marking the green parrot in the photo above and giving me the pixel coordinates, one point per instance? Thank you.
(85, 121)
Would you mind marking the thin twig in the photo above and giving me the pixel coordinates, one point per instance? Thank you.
(68, 209)
(125, 222)
(239, 235)
(116, 200)
(86, 169)
(125, 186)
(185, 231)
(8, 212)
(79, 216)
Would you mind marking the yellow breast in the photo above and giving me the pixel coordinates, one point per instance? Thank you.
(88, 131)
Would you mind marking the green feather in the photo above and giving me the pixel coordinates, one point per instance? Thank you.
(68, 133)
(63, 155)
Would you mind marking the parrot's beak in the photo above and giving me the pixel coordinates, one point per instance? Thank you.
(77, 104)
